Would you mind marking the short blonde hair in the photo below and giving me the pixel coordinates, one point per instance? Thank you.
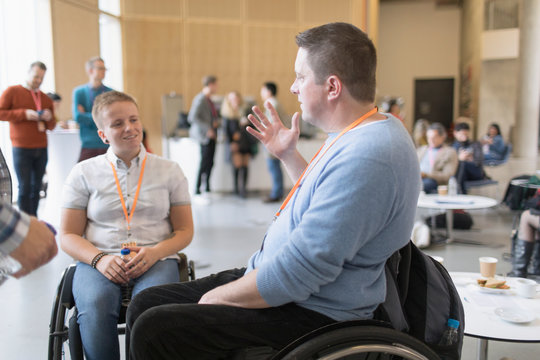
(106, 99)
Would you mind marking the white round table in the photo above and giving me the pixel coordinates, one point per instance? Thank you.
(482, 322)
(454, 202)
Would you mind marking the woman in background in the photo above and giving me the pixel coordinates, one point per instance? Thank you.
(493, 144)
(241, 144)
(420, 132)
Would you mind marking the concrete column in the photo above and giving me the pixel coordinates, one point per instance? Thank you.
(525, 139)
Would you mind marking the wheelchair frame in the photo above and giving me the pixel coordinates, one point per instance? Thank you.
(59, 331)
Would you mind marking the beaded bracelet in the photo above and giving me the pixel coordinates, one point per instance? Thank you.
(97, 258)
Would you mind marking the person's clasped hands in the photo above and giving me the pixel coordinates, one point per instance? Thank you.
(115, 269)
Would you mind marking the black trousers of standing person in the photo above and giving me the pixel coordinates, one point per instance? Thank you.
(207, 162)
(165, 322)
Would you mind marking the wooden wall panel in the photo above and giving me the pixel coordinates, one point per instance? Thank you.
(171, 44)
(76, 39)
(271, 58)
(213, 49)
(324, 11)
(217, 9)
(170, 8)
(276, 11)
(153, 67)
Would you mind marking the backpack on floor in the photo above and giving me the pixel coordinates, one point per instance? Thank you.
(462, 220)
(420, 299)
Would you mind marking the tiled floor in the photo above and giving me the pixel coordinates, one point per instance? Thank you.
(227, 232)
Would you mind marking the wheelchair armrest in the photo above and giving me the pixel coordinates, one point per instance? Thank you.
(66, 294)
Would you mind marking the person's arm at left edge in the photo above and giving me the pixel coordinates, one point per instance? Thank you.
(240, 293)
(182, 224)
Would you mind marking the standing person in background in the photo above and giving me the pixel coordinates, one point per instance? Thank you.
(438, 162)
(493, 145)
(30, 112)
(232, 110)
(470, 156)
(83, 99)
(204, 120)
(268, 94)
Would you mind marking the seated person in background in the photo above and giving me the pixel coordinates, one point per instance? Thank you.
(438, 161)
(395, 109)
(470, 156)
(493, 145)
(124, 195)
(525, 247)
(420, 132)
(323, 257)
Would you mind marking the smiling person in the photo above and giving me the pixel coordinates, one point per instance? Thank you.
(322, 259)
(124, 196)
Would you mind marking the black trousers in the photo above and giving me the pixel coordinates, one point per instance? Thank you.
(165, 322)
(207, 162)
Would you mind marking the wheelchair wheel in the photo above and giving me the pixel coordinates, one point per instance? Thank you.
(360, 343)
(58, 331)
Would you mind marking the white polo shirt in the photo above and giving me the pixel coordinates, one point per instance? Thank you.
(91, 186)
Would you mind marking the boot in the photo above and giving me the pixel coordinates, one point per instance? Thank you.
(535, 263)
(243, 189)
(522, 256)
(236, 170)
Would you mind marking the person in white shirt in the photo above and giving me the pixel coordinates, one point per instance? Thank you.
(124, 196)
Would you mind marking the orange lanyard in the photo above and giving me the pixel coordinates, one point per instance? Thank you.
(130, 215)
(37, 99)
(306, 171)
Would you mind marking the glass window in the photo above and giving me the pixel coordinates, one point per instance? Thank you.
(110, 6)
(110, 42)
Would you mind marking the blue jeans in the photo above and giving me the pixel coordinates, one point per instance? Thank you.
(274, 167)
(98, 302)
(429, 185)
(30, 167)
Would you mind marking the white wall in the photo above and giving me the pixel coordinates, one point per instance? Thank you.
(416, 40)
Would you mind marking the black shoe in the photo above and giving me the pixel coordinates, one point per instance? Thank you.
(271, 199)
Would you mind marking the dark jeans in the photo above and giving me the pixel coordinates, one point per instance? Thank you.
(165, 322)
(30, 167)
(467, 171)
(429, 185)
(207, 162)
(274, 167)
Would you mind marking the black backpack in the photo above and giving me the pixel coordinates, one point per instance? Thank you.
(420, 299)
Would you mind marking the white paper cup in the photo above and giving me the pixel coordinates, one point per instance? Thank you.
(488, 266)
(526, 288)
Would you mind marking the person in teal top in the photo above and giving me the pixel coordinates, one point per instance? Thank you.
(83, 99)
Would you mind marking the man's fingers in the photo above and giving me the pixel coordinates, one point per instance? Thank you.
(255, 133)
(273, 112)
(256, 123)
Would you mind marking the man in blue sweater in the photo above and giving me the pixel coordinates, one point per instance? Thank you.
(83, 99)
(322, 259)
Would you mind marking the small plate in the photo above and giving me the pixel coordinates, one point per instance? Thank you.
(492, 290)
(514, 315)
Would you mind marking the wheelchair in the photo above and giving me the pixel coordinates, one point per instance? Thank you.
(64, 308)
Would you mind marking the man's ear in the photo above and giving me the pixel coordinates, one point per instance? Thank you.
(102, 136)
(334, 87)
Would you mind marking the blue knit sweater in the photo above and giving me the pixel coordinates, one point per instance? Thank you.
(327, 250)
(84, 95)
